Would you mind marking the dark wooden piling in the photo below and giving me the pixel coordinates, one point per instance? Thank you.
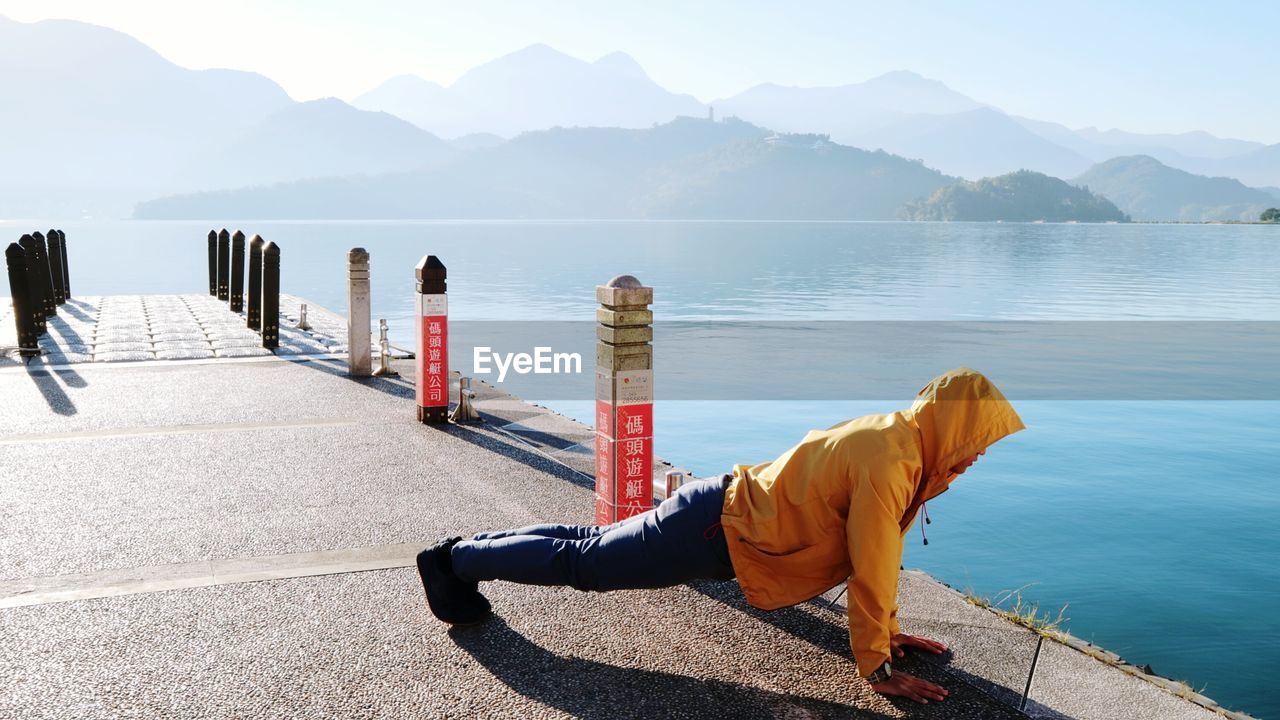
(237, 272)
(19, 289)
(270, 296)
(224, 265)
(254, 301)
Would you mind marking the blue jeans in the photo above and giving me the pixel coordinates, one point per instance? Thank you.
(678, 541)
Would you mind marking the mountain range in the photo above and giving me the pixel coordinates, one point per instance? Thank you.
(105, 122)
(533, 89)
(900, 112)
(1150, 190)
(689, 168)
(98, 121)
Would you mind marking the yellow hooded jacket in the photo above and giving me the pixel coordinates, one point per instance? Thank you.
(839, 504)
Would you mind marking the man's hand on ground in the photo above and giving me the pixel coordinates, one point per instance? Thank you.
(902, 640)
(909, 686)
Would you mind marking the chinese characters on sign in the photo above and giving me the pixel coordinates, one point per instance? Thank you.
(624, 445)
(433, 354)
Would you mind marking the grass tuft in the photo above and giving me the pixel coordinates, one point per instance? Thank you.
(1011, 606)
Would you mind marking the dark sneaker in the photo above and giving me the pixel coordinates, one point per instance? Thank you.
(451, 599)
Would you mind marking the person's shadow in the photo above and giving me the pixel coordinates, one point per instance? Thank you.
(598, 691)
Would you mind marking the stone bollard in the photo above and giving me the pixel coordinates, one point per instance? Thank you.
(35, 303)
(55, 267)
(66, 274)
(237, 272)
(213, 263)
(45, 272)
(432, 376)
(271, 296)
(624, 400)
(254, 300)
(359, 356)
(19, 288)
(224, 265)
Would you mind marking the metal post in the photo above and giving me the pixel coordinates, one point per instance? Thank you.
(55, 267)
(432, 376)
(66, 274)
(465, 412)
(384, 353)
(35, 303)
(303, 324)
(237, 272)
(1032, 674)
(359, 356)
(224, 265)
(624, 400)
(270, 296)
(46, 275)
(254, 311)
(16, 259)
(213, 263)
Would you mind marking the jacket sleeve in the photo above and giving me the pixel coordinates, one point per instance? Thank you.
(875, 550)
(894, 628)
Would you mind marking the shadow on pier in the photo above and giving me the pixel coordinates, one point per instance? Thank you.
(50, 384)
(559, 681)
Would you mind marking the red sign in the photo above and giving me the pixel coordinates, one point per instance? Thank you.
(433, 362)
(624, 461)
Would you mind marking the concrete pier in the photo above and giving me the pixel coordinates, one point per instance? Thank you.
(233, 537)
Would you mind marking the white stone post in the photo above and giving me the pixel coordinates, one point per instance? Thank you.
(359, 356)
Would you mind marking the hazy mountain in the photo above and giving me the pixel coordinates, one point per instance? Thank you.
(90, 112)
(845, 111)
(685, 168)
(408, 97)
(788, 177)
(1023, 196)
(533, 89)
(1097, 152)
(1191, 144)
(1146, 189)
(977, 143)
(97, 121)
(1258, 167)
(317, 139)
(1195, 152)
(1272, 191)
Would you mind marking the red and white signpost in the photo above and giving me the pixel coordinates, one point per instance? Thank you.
(624, 400)
(433, 343)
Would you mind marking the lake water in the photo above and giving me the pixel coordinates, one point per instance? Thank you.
(1153, 520)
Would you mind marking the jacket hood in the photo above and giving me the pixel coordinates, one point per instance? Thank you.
(960, 413)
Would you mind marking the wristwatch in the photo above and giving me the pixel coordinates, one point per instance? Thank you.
(882, 673)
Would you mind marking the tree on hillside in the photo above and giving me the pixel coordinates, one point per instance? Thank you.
(1270, 215)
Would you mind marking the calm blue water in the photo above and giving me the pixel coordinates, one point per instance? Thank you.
(1153, 521)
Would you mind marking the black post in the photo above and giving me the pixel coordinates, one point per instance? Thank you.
(55, 267)
(224, 264)
(213, 263)
(35, 304)
(254, 301)
(66, 274)
(270, 296)
(16, 259)
(237, 272)
(46, 275)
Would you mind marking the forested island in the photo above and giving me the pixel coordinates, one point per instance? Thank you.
(1024, 196)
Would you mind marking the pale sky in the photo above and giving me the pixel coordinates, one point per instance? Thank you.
(1169, 66)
